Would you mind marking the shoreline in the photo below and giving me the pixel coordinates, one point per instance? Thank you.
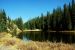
(47, 31)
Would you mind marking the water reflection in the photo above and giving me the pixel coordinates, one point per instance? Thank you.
(50, 36)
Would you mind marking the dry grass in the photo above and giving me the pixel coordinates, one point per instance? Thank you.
(13, 43)
(48, 46)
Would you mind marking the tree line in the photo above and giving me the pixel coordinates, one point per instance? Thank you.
(59, 20)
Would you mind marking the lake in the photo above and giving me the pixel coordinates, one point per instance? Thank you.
(66, 37)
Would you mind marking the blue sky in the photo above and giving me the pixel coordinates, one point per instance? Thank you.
(29, 9)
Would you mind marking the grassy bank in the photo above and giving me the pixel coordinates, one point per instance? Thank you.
(7, 42)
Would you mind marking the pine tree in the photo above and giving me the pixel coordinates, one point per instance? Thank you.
(64, 23)
(54, 19)
(42, 21)
(3, 21)
(69, 18)
(58, 19)
(48, 20)
(73, 14)
(19, 23)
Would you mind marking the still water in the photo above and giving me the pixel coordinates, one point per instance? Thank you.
(68, 37)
